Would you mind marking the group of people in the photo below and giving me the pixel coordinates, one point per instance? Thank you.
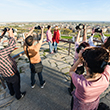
(53, 41)
(89, 73)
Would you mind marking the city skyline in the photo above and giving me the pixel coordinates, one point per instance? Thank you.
(49, 10)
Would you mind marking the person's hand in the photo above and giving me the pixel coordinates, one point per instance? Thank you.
(89, 47)
(85, 27)
(42, 28)
(93, 30)
(79, 30)
(10, 32)
(33, 28)
(101, 32)
(80, 53)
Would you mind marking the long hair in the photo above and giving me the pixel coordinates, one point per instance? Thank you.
(107, 44)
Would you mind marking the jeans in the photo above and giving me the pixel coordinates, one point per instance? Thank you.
(50, 46)
(33, 72)
(13, 84)
(55, 45)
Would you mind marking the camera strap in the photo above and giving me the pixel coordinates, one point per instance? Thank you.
(28, 53)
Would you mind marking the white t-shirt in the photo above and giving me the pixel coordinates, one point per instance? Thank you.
(90, 40)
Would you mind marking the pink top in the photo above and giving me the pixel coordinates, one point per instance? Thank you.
(88, 91)
(49, 36)
(76, 54)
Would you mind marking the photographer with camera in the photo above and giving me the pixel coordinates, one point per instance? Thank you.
(32, 52)
(78, 47)
(96, 80)
(49, 39)
(96, 30)
(8, 67)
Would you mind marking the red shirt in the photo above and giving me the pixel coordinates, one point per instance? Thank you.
(56, 36)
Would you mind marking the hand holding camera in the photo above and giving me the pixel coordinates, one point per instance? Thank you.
(37, 27)
(7, 29)
(80, 27)
(10, 31)
(98, 30)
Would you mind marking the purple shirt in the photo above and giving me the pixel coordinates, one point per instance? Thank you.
(89, 91)
(49, 36)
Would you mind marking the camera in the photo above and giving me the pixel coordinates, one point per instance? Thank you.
(98, 30)
(80, 26)
(37, 27)
(7, 29)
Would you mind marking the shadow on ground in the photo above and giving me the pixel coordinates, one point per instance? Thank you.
(53, 97)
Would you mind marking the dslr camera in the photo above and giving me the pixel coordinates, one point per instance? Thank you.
(7, 29)
(79, 27)
(98, 30)
(37, 27)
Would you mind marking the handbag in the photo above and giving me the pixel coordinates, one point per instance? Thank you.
(37, 68)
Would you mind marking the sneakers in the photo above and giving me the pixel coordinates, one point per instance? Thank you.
(55, 51)
(42, 86)
(22, 95)
(52, 52)
(33, 86)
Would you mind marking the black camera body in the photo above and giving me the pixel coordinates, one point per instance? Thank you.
(79, 48)
(79, 27)
(7, 29)
(37, 27)
(98, 30)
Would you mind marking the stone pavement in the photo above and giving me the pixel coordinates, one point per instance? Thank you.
(55, 94)
(53, 97)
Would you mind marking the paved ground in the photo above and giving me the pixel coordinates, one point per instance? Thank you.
(53, 97)
(55, 94)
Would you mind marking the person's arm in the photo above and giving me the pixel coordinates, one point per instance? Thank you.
(42, 35)
(74, 67)
(85, 34)
(103, 37)
(59, 36)
(11, 45)
(10, 33)
(77, 38)
(30, 32)
(90, 40)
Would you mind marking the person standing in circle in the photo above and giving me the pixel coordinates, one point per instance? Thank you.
(49, 39)
(56, 38)
(32, 52)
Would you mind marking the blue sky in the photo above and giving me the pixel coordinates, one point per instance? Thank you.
(54, 10)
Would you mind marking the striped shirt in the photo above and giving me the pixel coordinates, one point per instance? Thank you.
(7, 64)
